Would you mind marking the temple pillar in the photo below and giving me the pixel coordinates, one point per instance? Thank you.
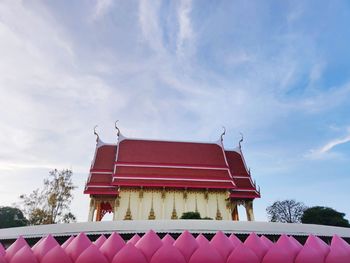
(98, 211)
(91, 210)
(163, 195)
(249, 210)
(140, 207)
(206, 198)
(185, 200)
(235, 215)
(115, 208)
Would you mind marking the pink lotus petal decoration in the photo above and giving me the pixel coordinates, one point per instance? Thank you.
(222, 244)
(2, 250)
(242, 254)
(205, 252)
(149, 244)
(308, 254)
(129, 254)
(268, 243)
(77, 246)
(25, 254)
(91, 255)
(56, 255)
(67, 242)
(254, 243)
(14, 248)
(45, 245)
(184, 249)
(317, 244)
(99, 242)
(187, 244)
(339, 252)
(134, 239)
(168, 239)
(235, 240)
(168, 253)
(112, 246)
(202, 240)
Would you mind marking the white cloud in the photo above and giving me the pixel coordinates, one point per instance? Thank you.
(101, 8)
(149, 23)
(185, 33)
(325, 150)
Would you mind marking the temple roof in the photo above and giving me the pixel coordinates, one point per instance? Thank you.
(170, 164)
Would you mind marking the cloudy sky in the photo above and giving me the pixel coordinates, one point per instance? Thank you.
(278, 71)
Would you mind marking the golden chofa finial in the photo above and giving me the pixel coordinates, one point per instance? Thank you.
(240, 141)
(116, 127)
(95, 132)
(222, 134)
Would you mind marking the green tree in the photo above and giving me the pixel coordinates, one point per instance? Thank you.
(286, 211)
(50, 204)
(191, 215)
(11, 217)
(321, 215)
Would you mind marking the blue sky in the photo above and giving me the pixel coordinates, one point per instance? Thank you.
(278, 71)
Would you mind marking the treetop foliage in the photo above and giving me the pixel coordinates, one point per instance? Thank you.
(11, 217)
(50, 204)
(286, 211)
(321, 215)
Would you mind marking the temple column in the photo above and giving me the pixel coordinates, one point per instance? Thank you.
(98, 211)
(206, 198)
(91, 210)
(185, 201)
(249, 210)
(235, 215)
(163, 204)
(140, 207)
(115, 208)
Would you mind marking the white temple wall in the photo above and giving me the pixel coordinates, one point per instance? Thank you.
(163, 203)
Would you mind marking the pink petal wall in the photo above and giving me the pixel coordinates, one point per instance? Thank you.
(185, 249)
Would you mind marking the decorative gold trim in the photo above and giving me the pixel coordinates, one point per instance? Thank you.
(185, 194)
(163, 193)
(141, 193)
(151, 212)
(174, 213)
(218, 213)
(128, 215)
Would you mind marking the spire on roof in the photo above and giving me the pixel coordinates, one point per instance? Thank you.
(95, 132)
(240, 141)
(222, 134)
(116, 127)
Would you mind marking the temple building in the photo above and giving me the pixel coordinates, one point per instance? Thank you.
(141, 179)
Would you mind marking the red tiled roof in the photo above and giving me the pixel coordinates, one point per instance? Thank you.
(101, 171)
(245, 186)
(171, 164)
(168, 164)
(177, 153)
